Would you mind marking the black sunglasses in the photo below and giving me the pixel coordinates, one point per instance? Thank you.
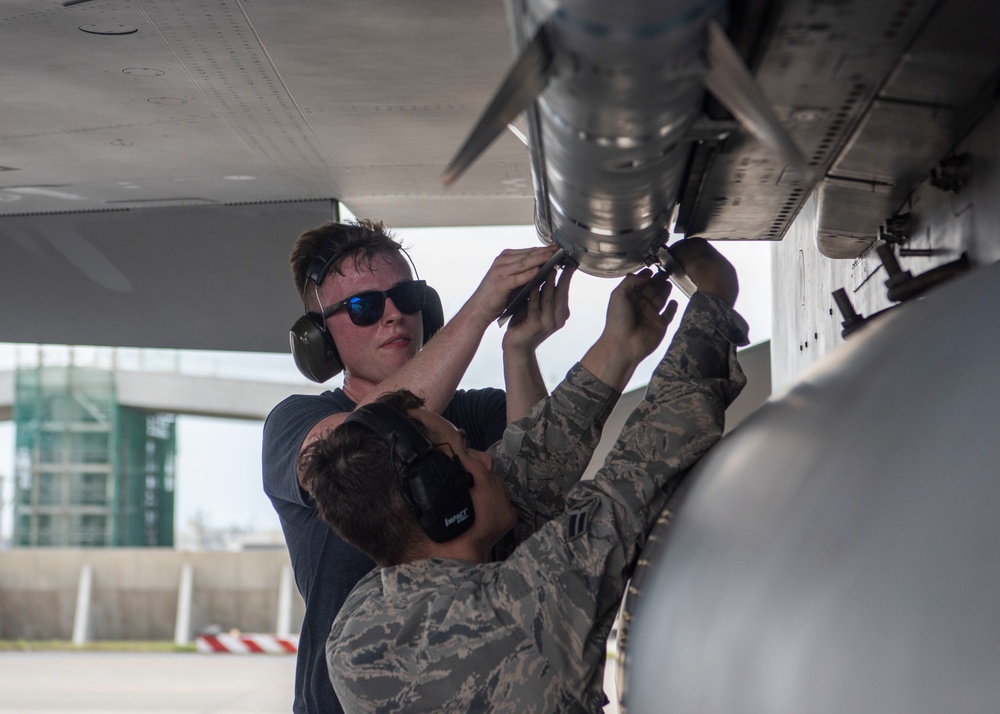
(366, 308)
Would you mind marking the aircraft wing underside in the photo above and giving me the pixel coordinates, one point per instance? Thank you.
(157, 159)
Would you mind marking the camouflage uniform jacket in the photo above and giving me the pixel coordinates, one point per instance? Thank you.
(528, 633)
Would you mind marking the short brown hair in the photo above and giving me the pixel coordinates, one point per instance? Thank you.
(357, 489)
(363, 240)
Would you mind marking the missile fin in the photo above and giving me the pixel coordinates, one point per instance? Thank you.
(523, 83)
(732, 84)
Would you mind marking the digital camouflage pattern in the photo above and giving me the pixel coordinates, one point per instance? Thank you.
(543, 454)
(528, 633)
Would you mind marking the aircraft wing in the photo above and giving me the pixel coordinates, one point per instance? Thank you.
(158, 159)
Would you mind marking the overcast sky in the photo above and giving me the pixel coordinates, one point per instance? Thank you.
(218, 460)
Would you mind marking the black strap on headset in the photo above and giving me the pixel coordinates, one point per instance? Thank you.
(395, 429)
(319, 266)
(329, 253)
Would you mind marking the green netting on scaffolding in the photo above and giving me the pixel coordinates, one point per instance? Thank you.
(89, 472)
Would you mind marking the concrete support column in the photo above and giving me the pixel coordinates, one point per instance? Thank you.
(284, 626)
(182, 628)
(81, 619)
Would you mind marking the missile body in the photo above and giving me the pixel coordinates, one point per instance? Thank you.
(610, 130)
(610, 95)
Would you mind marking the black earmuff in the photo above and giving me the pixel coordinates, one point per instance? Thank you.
(435, 485)
(312, 346)
(313, 350)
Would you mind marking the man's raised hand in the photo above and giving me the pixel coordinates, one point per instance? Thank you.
(545, 312)
(511, 269)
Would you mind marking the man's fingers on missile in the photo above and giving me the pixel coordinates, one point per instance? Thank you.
(668, 313)
(542, 297)
(654, 288)
(566, 275)
(636, 282)
(562, 290)
(521, 259)
(548, 290)
(659, 289)
(659, 282)
(523, 269)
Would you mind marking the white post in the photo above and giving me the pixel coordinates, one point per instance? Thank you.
(284, 628)
(81, 620)
(3, 507)
(182, 629)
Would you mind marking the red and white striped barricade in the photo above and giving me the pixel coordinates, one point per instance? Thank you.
(247, 644)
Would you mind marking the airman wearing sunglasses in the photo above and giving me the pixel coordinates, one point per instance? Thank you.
(365, 296)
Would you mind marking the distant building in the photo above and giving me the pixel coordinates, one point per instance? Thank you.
(89, 471)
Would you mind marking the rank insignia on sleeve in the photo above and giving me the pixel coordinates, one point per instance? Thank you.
(579, 519)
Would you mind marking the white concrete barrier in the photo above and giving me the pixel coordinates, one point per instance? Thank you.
(143, 593)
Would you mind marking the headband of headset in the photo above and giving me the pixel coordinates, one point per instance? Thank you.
(328, 254)
(435, 485)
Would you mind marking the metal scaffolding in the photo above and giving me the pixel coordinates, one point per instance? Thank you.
(88, 471)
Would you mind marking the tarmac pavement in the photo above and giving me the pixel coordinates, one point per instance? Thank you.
(155, 683)
(152, 683)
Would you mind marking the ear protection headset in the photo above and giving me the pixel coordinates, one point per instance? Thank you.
(435, 486)
(312, 346)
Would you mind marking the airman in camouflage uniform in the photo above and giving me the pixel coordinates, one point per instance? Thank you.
(527, 632)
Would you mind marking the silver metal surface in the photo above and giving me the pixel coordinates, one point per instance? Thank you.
(820, 66)
(613, 120)
(806, 324)
(936, 92)
(840, 550)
